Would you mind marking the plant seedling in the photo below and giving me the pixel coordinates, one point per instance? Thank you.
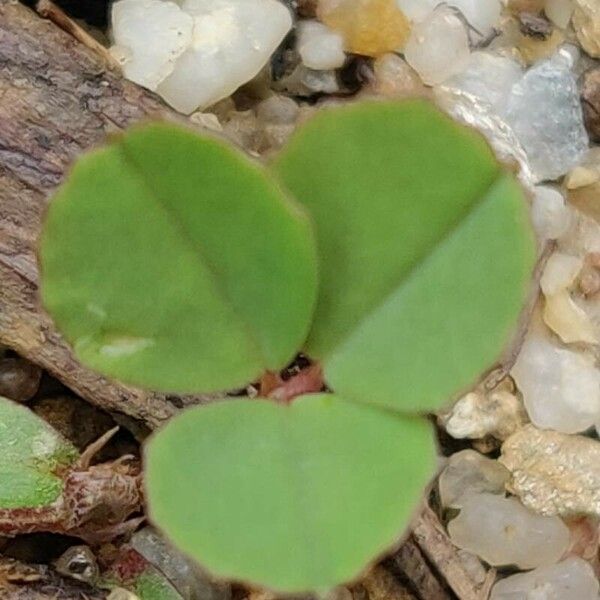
(384, 241)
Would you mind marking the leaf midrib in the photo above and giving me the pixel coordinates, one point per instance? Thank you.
(196, 248)
(413, 269)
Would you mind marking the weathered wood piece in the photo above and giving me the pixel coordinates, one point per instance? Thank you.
(57, 99)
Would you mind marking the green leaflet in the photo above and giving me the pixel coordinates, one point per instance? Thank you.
(173, 262)
(425, 250)
(294, 498)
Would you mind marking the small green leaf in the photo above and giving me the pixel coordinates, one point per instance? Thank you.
(425, 250)
(295, 498)
(31, 452)
(172, 262)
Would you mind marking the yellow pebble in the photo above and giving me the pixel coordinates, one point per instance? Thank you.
(369, 27)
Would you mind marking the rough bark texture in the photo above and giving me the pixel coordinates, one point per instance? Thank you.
(57, 99)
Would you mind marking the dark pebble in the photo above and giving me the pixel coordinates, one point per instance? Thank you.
(590, 102)
(19, 379)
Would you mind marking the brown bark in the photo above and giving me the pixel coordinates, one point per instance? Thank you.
(57, 99)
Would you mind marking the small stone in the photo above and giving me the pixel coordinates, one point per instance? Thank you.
(201, 50)
(79, 563)
(278, 109)
(207, 120)
(568, 320)
(416, 10)
(550, 215)
(590, 100)
(581, 177)
(319, 47)
(545, 113)
(559, 12)
(438, 47)
(306, 82)
(560, 387)
(467, 473)
(395, 77)
(586, 22)
(369, 27)
(134, 22)
(19, 379)
(481, 15)
(554, 473)
(583, 236)
(571, 579)
(560, 272)
(498, 413)
(503, 532)
(488, 76)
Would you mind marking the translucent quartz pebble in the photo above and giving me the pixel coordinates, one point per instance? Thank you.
(560, 272)
(503, 532)
(559, 12)
(560, 387)
(438, 47)
(568, 320)
(417, 10)
(319, 47)
(550, 215)
(571, 579)
(488, 76)
(544, 110)
(134, 22)
(369, 27)
(482, 15)
(201, 50)
(586, 22)
(467, 473)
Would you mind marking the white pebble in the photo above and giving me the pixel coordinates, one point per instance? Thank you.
(568, 320)
(560, 387)
(571, 579)
(559, 12)
(467, 473)
(438, 47)
(416, 10)
(544, 110)
(559, 273)
(226, 43)
(278, 109)
(320, 47)
(550, 215)
(503, 532)
(482, 15)
(134, 22)
(489, 77)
